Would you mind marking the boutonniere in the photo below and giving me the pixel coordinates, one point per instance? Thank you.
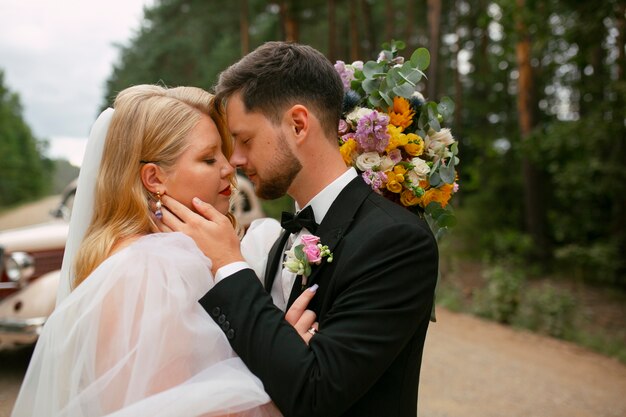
(309, 252)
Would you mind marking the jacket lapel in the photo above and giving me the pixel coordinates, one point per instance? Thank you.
(335, 225)
(274, 260)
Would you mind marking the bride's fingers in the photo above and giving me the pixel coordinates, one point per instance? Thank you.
(207, 211)
(169, 222)
(310, 332)
(305, 322)
(179, 210)
(299, 306)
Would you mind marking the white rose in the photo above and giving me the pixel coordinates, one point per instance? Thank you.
(444, 137)
(355, 115)
(367, 160)
(413, 178)
(386, 164)
(358, 65)
(421, 168)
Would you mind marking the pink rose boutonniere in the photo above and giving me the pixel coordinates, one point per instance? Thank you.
(309, 252)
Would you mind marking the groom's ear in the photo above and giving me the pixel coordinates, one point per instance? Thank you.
(153, 178)
(299, 120)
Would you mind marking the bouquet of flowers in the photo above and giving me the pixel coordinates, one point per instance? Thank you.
(394, 137)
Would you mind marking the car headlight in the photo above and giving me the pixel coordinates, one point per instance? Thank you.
(19, 266)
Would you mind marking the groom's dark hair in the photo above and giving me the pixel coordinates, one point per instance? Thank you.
(278, 75)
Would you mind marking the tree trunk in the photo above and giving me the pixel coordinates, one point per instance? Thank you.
(533, 204)
(243, 27)
(434, 21)
(389, 20)
(458, 87)
(409, 28)
(289, 22)
(332, 30)
(354, 31)
(370, 31)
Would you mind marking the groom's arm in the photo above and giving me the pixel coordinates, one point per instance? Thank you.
(387, 295)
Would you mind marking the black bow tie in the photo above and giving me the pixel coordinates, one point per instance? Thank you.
(304, 219)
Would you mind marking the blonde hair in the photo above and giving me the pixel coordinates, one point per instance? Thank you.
(150, 123)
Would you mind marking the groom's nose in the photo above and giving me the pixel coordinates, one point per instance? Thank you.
(238, 158)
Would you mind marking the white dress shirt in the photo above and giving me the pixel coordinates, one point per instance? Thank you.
(281, 288)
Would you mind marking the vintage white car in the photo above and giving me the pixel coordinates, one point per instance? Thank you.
(30, 263)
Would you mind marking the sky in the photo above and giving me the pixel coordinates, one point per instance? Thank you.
(57, 55)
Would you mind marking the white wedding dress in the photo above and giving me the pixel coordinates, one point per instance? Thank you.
(132, 340)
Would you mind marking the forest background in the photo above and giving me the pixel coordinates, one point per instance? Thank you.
(540, 91)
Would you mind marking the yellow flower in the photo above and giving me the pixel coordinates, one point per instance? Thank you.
(394, 182)
(347, 150)
(394, 137)
(415, 147)
(408, 199)
(399, 172)
(401, 114)
(440, 195)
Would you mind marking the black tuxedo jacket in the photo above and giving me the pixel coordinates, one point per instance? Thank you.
(373, 306)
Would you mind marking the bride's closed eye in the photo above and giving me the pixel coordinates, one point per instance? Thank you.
(210, 161)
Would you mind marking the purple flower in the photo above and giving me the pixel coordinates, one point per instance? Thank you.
(374, 179)
(346, 73)
(344, 127)
(371, 132)
(395, 156)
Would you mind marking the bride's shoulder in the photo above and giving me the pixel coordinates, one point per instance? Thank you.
(174, 249)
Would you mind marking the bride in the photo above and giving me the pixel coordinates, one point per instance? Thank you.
(128, 337)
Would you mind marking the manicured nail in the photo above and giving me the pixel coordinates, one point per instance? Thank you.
(313, 288)
(196, 200)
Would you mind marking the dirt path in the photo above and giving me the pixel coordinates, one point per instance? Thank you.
(30, 213)
(476, 368)
(471, 367)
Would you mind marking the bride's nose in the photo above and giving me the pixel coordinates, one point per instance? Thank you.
(227, 169)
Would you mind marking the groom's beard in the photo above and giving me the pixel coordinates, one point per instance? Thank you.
(282, 170)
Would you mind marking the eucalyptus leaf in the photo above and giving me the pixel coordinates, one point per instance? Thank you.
(441, 232)
(446, 220)
(370, 68)
(446, 107)
(421, 58)
(387, 98)
(399, 45)
(433, 120)
(370, 85)
(435, 180)
(299, 252)
(404, 90)
(447, 174)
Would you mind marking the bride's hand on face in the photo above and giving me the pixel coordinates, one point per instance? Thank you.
(210, 229)
(300, 318)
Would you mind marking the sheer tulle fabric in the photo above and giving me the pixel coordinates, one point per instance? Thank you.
(132, 340)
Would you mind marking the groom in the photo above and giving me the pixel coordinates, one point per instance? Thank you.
(283, 103)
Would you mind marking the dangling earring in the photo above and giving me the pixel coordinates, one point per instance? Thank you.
(158, 213)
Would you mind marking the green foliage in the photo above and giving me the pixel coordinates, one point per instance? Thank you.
(274, 208)
(547, 310)
(500, 298)
(24, 172)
